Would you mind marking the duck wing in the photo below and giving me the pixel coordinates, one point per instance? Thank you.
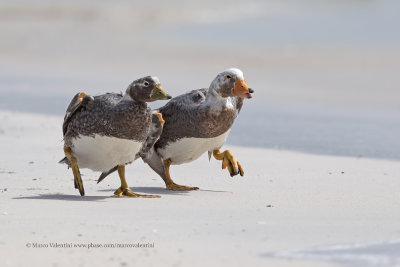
(79, 101)
(183, 102)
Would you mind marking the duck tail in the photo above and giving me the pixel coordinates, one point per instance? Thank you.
(65, 161)
(105, 174)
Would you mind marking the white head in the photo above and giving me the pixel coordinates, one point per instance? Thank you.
(231, 83)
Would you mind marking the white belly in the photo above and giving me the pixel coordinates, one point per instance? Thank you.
(102, 153)
(189, 149)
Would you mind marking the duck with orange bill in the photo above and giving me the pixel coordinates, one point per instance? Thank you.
(198, 122)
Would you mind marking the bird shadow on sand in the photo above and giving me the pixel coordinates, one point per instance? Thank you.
(65, 197)
(143, 190)
(163, 191)
(214, 191)
(151, 190)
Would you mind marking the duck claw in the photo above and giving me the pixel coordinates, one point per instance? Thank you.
(230, 162)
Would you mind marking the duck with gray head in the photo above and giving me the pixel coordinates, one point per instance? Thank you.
(109, 131)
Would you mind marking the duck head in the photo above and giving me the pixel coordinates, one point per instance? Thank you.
(231, 83)
(147, 89)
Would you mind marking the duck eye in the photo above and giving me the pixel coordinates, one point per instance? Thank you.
(146, 83)
(228, 76)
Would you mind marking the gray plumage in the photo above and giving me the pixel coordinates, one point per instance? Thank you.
(110, 115)
(74, 107)
(187, 116)
(107, 115)
(152, 137)
(106, 132)
(197, 122)
(154, 134)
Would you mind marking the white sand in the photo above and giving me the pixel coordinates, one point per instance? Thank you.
(286, 203)
(326, 81)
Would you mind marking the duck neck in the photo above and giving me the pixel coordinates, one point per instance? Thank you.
(216, 102)
(128, 97)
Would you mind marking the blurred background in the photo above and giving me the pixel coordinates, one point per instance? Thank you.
(326, 73)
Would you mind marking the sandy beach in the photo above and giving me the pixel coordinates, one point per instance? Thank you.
(287, 208)
(318, 141)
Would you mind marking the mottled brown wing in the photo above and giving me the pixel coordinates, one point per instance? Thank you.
(79, 101)
(188, 100)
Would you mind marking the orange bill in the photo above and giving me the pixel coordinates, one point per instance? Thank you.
(241, 89)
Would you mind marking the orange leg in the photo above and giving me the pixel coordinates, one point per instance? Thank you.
(228, 160)
(75, 170)
(168, 181)
(124, 189)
